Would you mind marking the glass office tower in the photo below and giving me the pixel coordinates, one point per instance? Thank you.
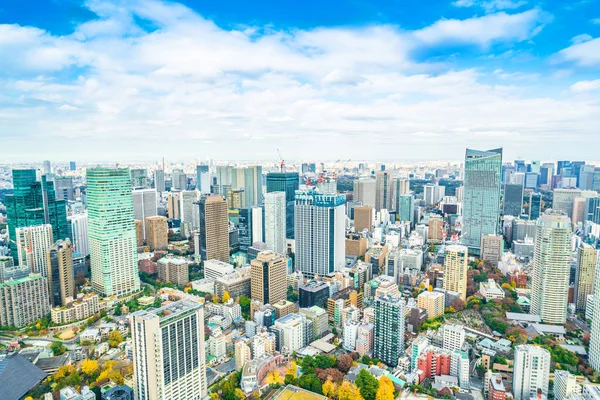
(287, 182)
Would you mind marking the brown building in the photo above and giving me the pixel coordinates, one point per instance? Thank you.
(356, 245)
(519, 278)
(173, 270)
(363, 218)
(157, 233)
(349, 296)
(60, 273)
(435, 231)
(268, 277)
(214, 228)
(173, 205)
(139, 233)
(376, 257)
(283, 308)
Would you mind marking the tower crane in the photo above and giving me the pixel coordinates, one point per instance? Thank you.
(281, 161)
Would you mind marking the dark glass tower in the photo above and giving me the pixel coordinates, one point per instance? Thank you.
(34, 203)
(287, 182)
(535, 205)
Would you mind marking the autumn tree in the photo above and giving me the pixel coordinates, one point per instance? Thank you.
(89, 367)
(330, 374)
(226, 297)
(348, 391)
(329, 389)
(367, 384)
(292, 369)
(115, 338)
(385, 390)
(344, 363)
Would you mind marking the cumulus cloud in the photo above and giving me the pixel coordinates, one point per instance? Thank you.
(189, 87)
(586, 54)
(491, 5)
(586, 86)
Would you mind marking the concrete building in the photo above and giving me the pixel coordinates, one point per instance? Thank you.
(60, 273)
(453, 337)
(435, 231)
(363, 218)
(364, 191)
(79, 229)
(214, 269)
(455, 269)
(551, 267)
(563, 200)
(237, 283)
(492, 247)
(531, 371)
(275, 222)
(565, 385)
(173, 269)
(24, 300)
(214, 228)
(268, 273)
(432, 302)
(584, 274)
(157, 233)
(490, 290)
(389, 329)
(112, 233)
(459, 367)
(295, 332)
(33, 243)
(174, 205)
(168, 352)
(318, 316)
(242, 354)
(314, 293)
(512, 203)
(383, 191)
(497, 390)
(82, 308)
(364, 339)
(145, 203)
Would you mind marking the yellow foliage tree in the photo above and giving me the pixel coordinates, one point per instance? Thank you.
(385, 390)
(187, 289)
(292, 368)
(109, 365)
(63, 372)
(89, 367)
(274, 377)
(226, 297)
(114, 338)
(239, 394)
(329, 389)
(28, 398)
(430, 288)
(348, 391)
(214, 396)
(216, 299)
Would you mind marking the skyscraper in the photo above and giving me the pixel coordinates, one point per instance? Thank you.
(46, 167)
(178, 179)
(455, 269)
(23, 300)
(551, 267)
(144, 205)
(72, 166)
(139, 178)
(406, 208)
(33, 242)
(60, 273)
(531, 371)
(268, 276)
(253, 187)
(584, 274)
(363, 218)
(513, 199)
(364, 191)
(287, 182)
(481, 194)
(159, 180)
(157, 233)
(400, 187)
(112, 234)
(79, 229)
(34, 203)
(214, 228)
(202, 179)
(168, 352)
(535, 205)
(319, 232)
(383, 191)
(251, 226)
(389, 329)
(275, 220)
(63, 187)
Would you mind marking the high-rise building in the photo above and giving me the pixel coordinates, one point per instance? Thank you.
(168, 352)
(455, 269)
(178, 180)
(157, 233)
(251, 227)
(34, 203)
(60, 273)
(159, 180)
(546, 173)
(214, 228)
(563, 200)
(406, 208)
(389, 329)
(432, 194)
(173, 270)
(72, 166)
(8, 269)
(594, 350)
(268, 277)
(223, 179)
(363, 218)
(174, 205)
(202, 178)
(383, 190)
(287, 182)
(275, 221)
(313, 293)
(401, 187)
(112, 233)
(139, 178)
(46, 167)
(531, 371)
(144, 205)
(295, 331)
(319, 232)
(453, 337)
(551, 267)
(33, 242)
(23, 300)
(253, 187)
(63, 187)
(481, 193)
(492, 247)
(584, 274)
(535, 205)
(364, 191)
(432, 302)
(512, 204)
(459, 367)
(187, 210)
(565, 385)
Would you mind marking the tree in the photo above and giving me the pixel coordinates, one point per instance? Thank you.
(114, 338)
(348, 391)
(244, 304)
(458, 304)
(290, 379)
(89, 367)
(292, 369)
(118, 310)
(58, 348)
(385, 390)
(330, 389)
(367, 384)
(330, 374)
(311, 382)
(226, 297)
(215, 299)
(291, 295)
(344, 363)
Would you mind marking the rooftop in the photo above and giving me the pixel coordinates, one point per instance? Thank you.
(523, 317)
(291, 392)
(18, 376)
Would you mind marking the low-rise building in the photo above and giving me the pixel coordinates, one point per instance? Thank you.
(490, 290)
(84, 307)
(173, 269)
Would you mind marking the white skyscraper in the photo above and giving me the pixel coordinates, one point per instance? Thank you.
(275, 228)
(168, 352)
(319, 230)
(364, 191)
(79, 229)
(551, 267)
(144, 205)
(33, 242)
(531, 371)
(187, 214)
(594, 350)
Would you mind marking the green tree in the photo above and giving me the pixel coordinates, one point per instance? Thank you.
(311, 382)
(58, 348)
(367, 384)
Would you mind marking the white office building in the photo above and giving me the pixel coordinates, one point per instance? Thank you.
(350, 334)
(144, 205)
(214, 269)
(275, 225)
(565, 385)
(168, 352)
(531, 371)
(453, 337)
(459, 367)
(79, 231)
(33, 242)
(187, 211)
(319, 231)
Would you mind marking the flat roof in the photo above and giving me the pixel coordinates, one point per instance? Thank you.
(291, 392)
(523, 317)
(558, 329)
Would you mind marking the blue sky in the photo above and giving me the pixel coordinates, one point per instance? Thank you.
(139, 79)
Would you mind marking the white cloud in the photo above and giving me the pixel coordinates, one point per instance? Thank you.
(586, 54)
(595, 21)
(586, 86)
(487, 29)
(491, 5)
(190, 87)
(581, 38)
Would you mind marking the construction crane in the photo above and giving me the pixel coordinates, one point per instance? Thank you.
(281, 161)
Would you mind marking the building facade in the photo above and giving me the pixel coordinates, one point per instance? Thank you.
(214, 228)
(455, 269)
(531, 371)
(287, 182)
(61, 282)
(389, 329)
(268, 273)
(275, 222)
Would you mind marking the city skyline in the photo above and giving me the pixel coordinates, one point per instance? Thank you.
(228, 80)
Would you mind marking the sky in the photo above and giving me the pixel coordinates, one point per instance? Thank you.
(357, 79)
